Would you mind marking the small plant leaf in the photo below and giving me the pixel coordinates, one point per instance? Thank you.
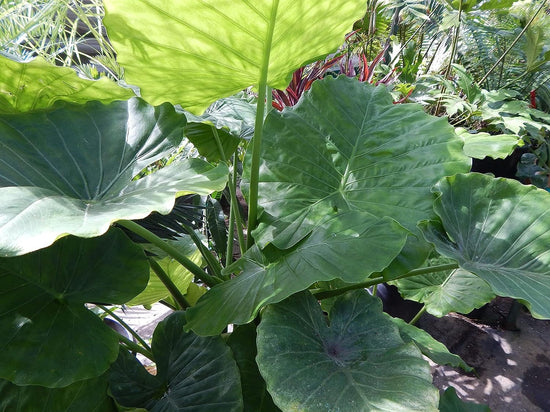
(42, 308)
(88, 395)
(335, 249)
(355, 361)
(499, 230)
(70, 170)
(450, 402)
(193, 373)
(228, 45)
(38, 85)
(447, 291)
(481, 145)
(429, 346)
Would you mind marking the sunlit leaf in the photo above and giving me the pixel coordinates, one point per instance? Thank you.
(196, 52)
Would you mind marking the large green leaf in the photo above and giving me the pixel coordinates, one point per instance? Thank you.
(346, 146)
(69, 170)
(88, 395)
(38, 84)
(48, 337)
(335, 249)
(197, 51)
(358, 362)
(498, 229)
(193, 373)
(446, 291)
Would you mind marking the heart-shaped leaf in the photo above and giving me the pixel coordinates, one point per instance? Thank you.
(88, 395)
(455, 290)
(498, 229)
(335, 249)
(38, 85)
(42, 308)
(228, 45)
(346, 146)
(193, 373)
(358, 362)
(69, 170)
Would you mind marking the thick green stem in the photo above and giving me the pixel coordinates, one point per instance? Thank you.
(171, 250)
(479, 83)
(211, 260)
(125, 325)
(172, 288)
(375, 281)
(235, 207)
(418, 315)
(134, 347)
(258, 129)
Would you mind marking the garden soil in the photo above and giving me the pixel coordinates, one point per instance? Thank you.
(511, 358)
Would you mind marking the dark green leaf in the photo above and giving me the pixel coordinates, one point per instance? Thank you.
(499, 230)
(255, 396)
(193, 373)
(358, 362)
(88, 395)
(49, 337)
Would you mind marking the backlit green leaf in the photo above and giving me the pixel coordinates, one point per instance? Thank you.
(198, 51)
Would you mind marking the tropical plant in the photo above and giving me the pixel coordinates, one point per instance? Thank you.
(345, 190)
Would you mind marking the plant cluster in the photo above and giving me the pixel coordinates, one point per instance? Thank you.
(344, 190)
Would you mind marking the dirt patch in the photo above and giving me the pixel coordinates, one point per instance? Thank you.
(512, 367)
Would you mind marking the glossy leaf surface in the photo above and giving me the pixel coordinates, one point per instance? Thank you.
(42, 308)
(193, 373)
(196, 52)
(335, 249)
(498, 229)
(37, 85)
(69, 170)
(346, 146)
(355, 361)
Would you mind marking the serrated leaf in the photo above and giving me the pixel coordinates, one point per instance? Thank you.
(42, 308)
(355, 361)
(499, 230)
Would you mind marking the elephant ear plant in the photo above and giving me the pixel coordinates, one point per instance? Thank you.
(345, 190)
